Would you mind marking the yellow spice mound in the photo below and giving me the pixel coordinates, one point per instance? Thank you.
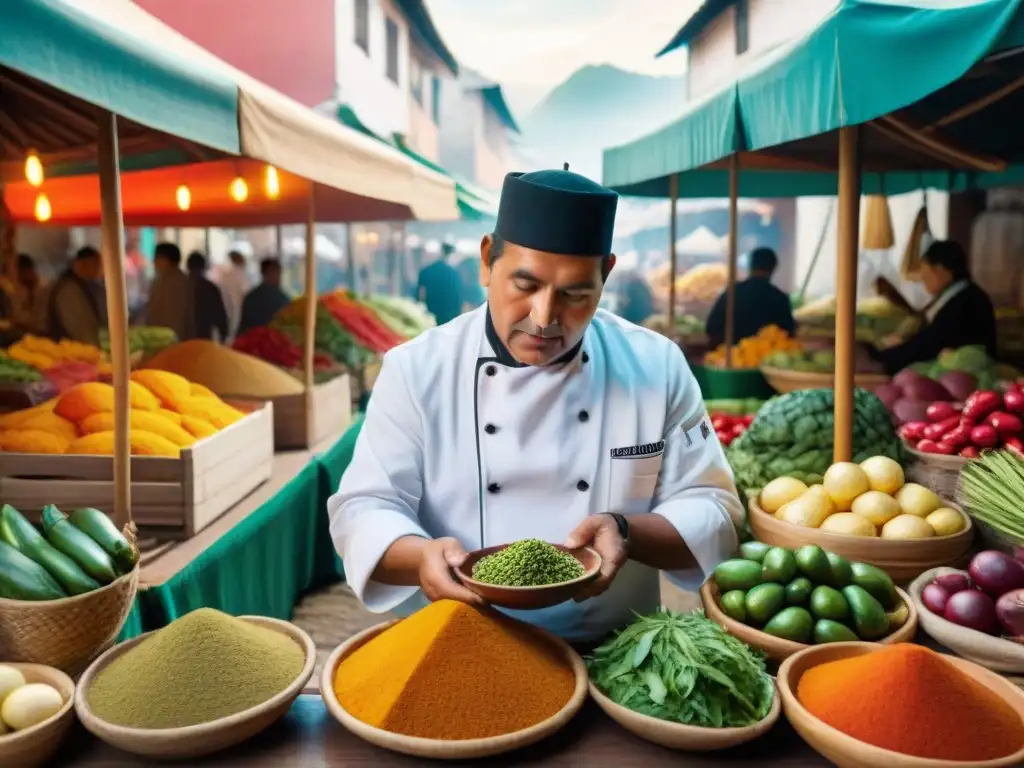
(224, 371)
(451, 671)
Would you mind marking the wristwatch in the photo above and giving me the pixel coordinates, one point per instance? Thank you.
(622, 524)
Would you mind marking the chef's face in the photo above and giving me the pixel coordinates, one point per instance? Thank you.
(541, 303)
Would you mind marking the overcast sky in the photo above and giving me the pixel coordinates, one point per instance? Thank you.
(532, 45)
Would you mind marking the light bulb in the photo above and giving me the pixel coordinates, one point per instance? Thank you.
(272, 183)
(239, 190)
(34, 169)
(43, 209)
(183, 196)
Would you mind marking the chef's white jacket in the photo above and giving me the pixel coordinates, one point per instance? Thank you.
(455, 443)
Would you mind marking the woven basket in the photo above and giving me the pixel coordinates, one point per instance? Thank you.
(782, 380)
(68, 633)
(937, 472)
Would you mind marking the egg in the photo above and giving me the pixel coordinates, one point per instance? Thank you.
(30, 705)
(10, 679)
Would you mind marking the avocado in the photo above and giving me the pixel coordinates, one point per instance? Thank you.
(779, 565)
(828, 631)
(798, 591)
(737, 574)
(876, 583)
(842, 571)
(869, 617)
(793, 623)
(764, 601)
(813, 563)
(734, 605)
(828, 603)
(754, 550)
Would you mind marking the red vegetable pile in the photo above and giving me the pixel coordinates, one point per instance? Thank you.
(988, 597)
(729, 426)
(986, 419)
(361, 321)
(274, 346)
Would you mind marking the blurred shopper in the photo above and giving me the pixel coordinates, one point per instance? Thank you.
(440, 288)
(168, 295)
(758, 302)
(234, 285)
(206, 305)
(73, 311)
(265, 300)
(29, 297)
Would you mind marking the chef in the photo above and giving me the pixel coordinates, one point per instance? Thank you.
(537, 416)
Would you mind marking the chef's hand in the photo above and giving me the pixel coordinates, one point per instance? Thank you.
(600, 533)
(438, 558)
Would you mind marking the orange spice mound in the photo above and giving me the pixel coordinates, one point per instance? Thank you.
(452, 672)
(909, 699)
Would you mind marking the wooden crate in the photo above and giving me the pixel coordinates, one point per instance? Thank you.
(171, 498)
(300, 423)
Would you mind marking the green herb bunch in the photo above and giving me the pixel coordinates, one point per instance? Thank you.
(990, 490)
(686, 669)
(528, 563)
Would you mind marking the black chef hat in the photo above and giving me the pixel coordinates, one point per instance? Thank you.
(558, 212)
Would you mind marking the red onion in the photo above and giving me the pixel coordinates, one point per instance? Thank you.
(1006, 424)
(1010, 612)
(935, 598)
(1014, 401)
(984, 436)
(996, 573)
(974, 610)
(941, 412)
(954, 582)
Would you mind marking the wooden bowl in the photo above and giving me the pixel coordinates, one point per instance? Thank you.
(529, 598)
(777, 648)
(848, 752)
(782, 380)
(439, 749)
(36, 745)
(205, 738)
(690, 738)
(993, 653)
(901, 558)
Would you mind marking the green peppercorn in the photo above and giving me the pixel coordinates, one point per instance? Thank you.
(528, 563)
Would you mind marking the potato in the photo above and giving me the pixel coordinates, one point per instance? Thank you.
(848, 524)
(907, 527)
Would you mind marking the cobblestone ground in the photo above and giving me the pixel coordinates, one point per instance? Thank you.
(333, 614)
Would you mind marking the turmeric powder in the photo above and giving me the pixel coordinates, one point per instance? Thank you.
(453, 672)
(911, 700)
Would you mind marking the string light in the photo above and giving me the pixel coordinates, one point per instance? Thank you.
(272, 183)
(183, 196)
(43, 209)
(239, 190)
(34, 170)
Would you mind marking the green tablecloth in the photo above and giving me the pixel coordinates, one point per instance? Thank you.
(264, 564)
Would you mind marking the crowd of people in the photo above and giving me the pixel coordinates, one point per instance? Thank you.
(187, 301)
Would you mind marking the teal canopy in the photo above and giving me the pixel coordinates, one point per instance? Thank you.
(898, 66)
(475, 204)
(76, 54)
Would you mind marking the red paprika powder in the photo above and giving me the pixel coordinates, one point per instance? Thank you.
(909, 699)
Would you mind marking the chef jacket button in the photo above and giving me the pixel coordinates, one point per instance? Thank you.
(582, 485)
(586, 358)
(490, 370)
(493, 488)
(490, 429)
(584, 416)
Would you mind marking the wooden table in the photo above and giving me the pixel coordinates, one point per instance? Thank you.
(309, 738)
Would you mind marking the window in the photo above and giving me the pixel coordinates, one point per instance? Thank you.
(435, 105)
(417, 78)
(362, 23)
(742, 27)
(391, 49)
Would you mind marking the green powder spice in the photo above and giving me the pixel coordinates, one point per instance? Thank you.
(528, 563)
(204, 666)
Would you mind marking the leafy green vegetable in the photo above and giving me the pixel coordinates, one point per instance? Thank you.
(686, 669)
(990, 490)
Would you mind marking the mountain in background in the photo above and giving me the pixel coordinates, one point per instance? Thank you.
(599, 107)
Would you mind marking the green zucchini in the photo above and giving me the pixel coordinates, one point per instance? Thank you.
(77, 545)
(24, 579)
(102, 530)
(32, 543)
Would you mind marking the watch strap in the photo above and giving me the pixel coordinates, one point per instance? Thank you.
(622, 523)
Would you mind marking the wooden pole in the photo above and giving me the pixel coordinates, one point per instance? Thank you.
(309, 337)
(734, 235)
(279, 238)
(112, 251)
(207, 243)
(848, 225)
(673, 184)
(350, 252)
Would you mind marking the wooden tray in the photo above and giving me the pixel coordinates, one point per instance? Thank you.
(302, 421)
(438, 749)
(782, 380)
(690, 738)
(993, 653)
(171, 498)
(36, 745)
(848, 752)
(205, 738)
(777, 648)
(901, 559)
